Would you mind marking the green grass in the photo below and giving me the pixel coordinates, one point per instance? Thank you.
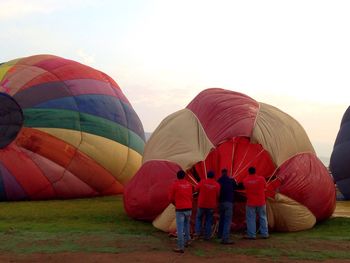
(58, 226)
(200, 252)
(81, 215)
(100, 225)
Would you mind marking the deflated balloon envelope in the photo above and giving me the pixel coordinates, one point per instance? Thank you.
(67, 131)
(226, 129)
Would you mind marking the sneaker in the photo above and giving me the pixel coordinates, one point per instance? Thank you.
(227, 242)
(248, 237)
(178, 250)
(265, 237)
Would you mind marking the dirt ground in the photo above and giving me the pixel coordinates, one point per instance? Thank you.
(155, 257)
(199, 252)
(158, 257)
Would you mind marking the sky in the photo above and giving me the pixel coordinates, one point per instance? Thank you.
(294, 55)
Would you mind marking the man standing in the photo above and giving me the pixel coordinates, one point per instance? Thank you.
(228, 185)
(180, 195)
(209, 191)
(255, 186)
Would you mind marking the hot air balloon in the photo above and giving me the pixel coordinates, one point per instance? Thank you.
(226, 129)
(340, 158)
(67, 131)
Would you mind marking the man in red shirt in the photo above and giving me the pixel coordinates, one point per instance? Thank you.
(209, 192)
(180, 195)
(255, 186)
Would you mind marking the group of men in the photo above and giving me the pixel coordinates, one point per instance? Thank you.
(213, 194)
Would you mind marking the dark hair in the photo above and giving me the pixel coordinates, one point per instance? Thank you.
(181, 174)
(251, 170)
(224, 171)
(210, 174)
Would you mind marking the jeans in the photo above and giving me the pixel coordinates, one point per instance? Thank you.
(208, 214)
(183, 227)
(251, 212)
(226, 212)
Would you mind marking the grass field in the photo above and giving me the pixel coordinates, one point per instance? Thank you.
(68, 225)
(100, 225)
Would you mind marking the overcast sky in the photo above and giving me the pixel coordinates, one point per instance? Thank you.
(294, 55)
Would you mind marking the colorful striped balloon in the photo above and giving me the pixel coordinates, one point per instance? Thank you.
(226, 129)
(67, 131)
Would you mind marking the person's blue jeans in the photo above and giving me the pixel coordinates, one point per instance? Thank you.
(183, 228)
(208, 214)
(251, 212)
(226, 212)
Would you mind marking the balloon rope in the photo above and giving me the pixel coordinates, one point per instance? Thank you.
(240, 164)
(194, 182)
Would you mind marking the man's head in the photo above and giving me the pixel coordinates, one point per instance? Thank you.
(251, 170)
(210, 174)
(180, 174)
(224, 172)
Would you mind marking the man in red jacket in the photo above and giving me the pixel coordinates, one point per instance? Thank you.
(255, 186)
(180, 195)
(209, 192)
